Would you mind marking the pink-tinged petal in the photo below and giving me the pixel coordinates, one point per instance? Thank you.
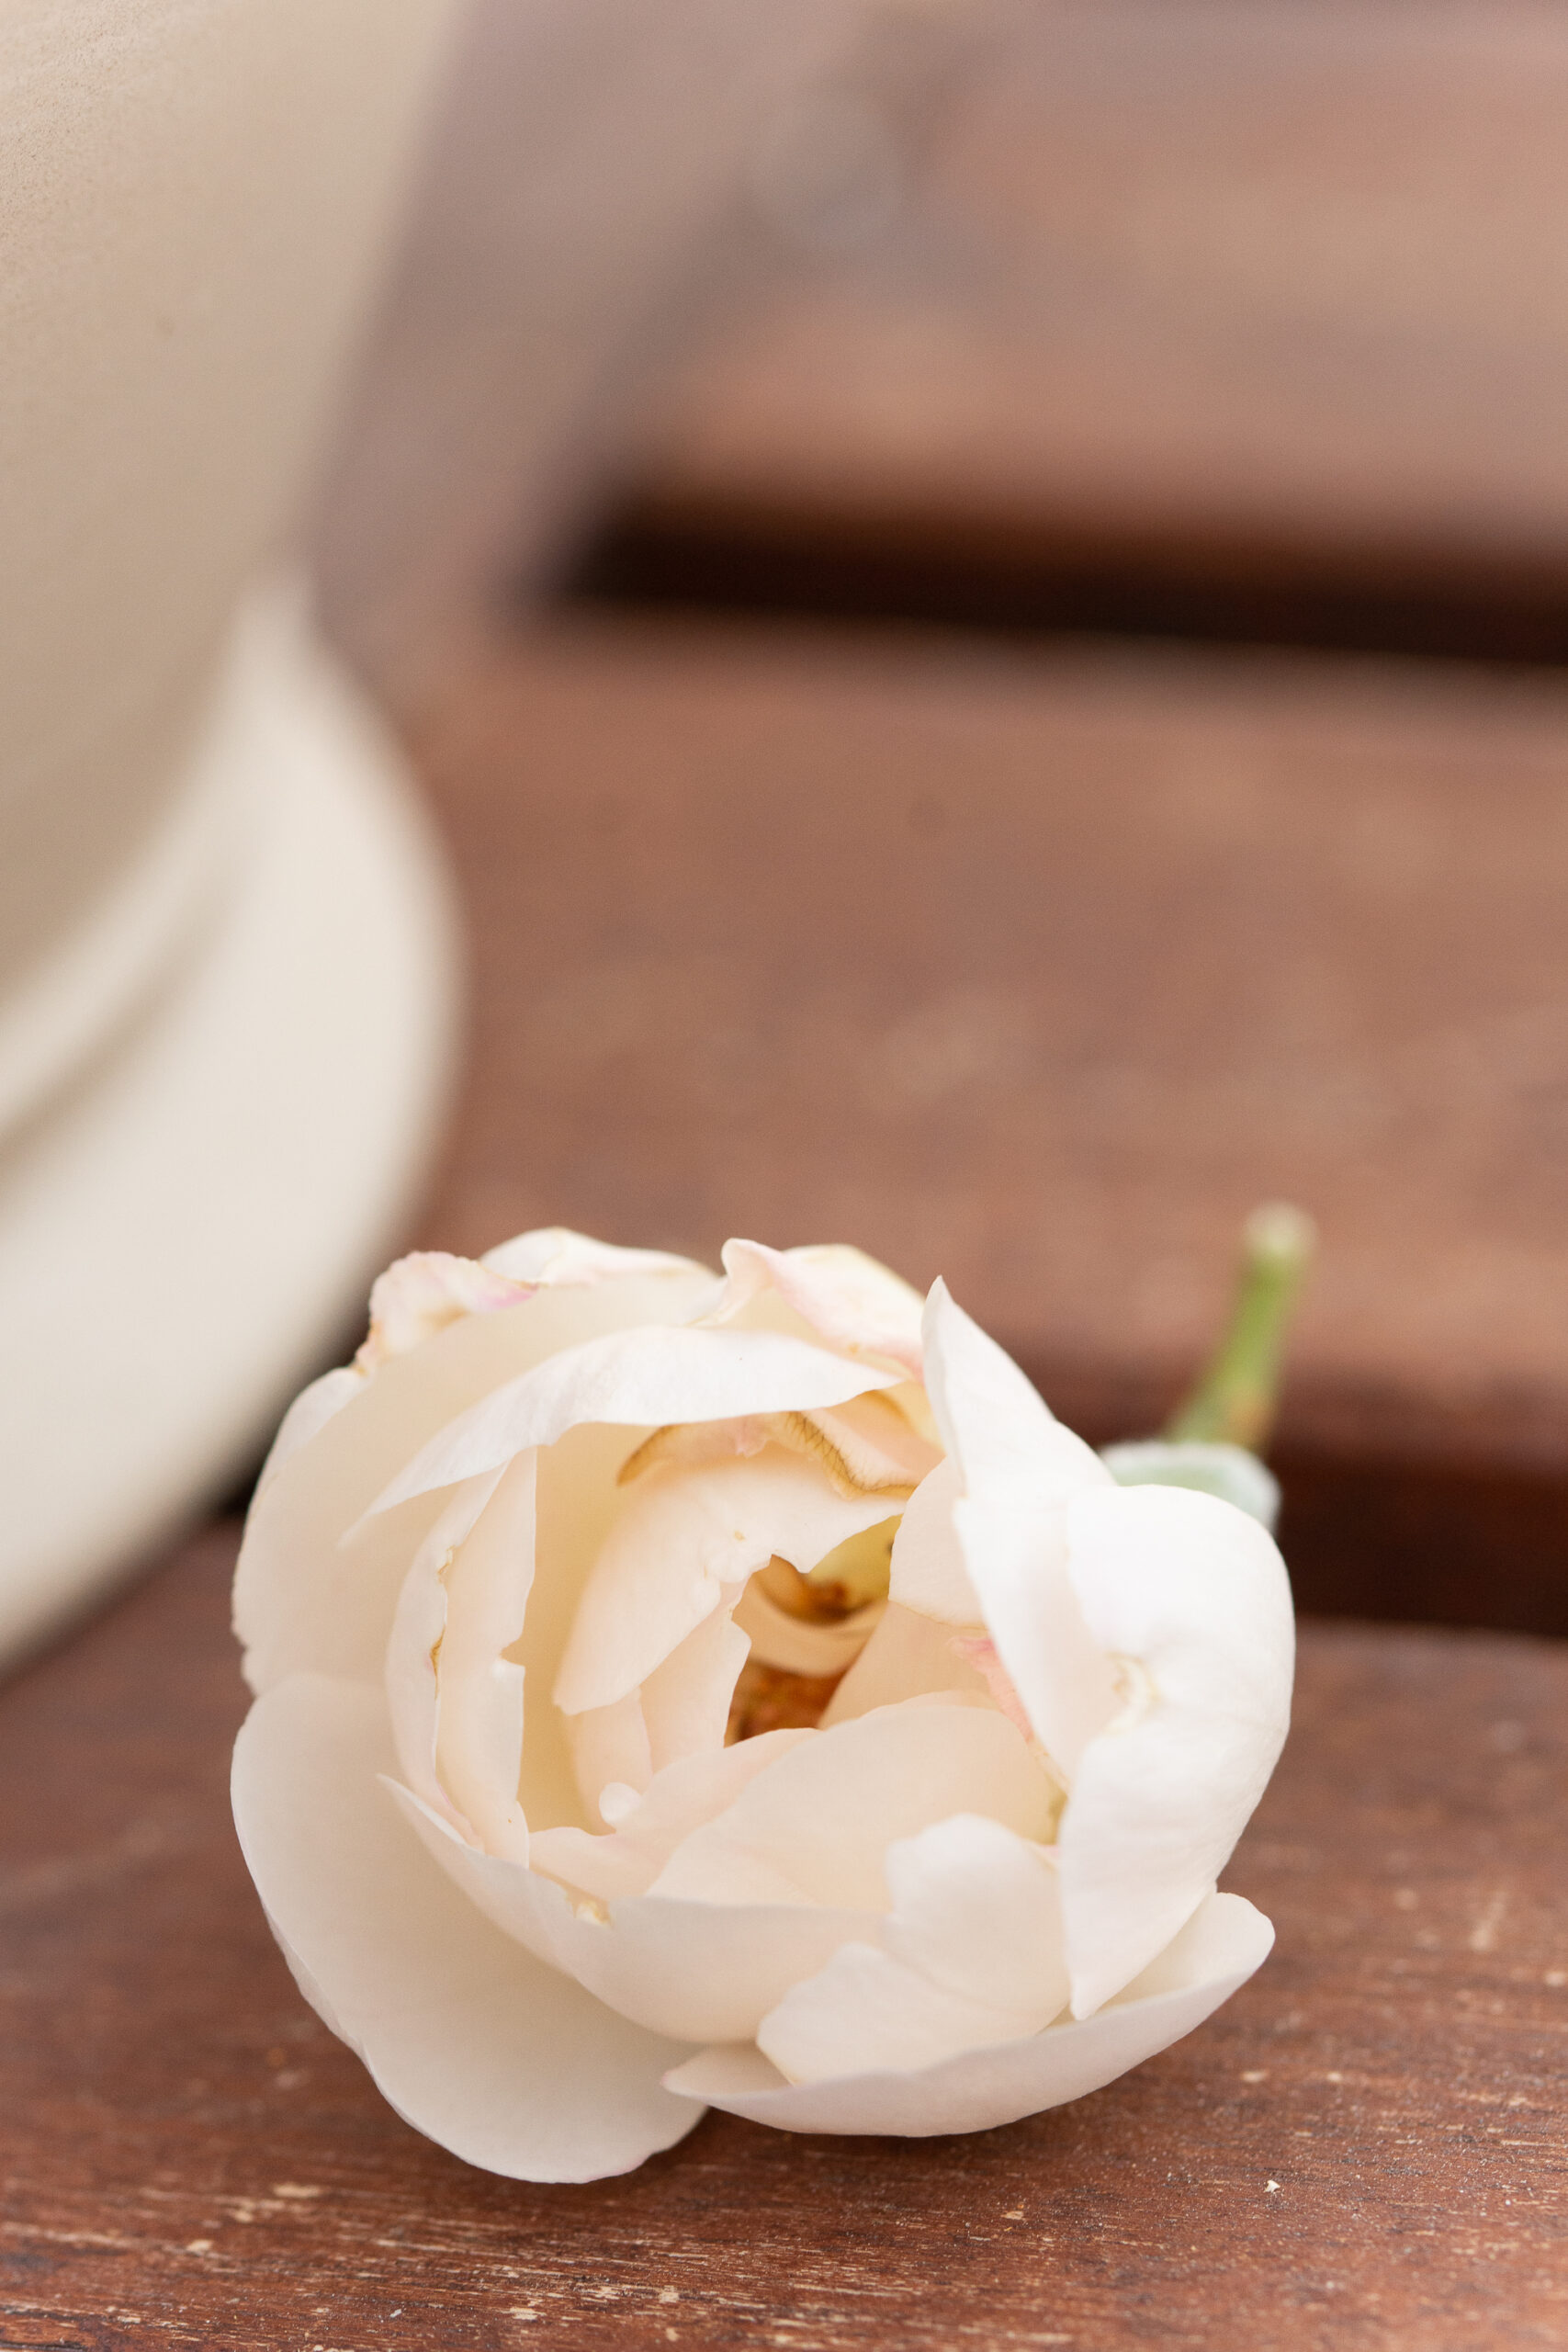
(908, 1657)
(309, 1413)
(928, 1572)
(696, 1970)
(970, 1954)
(633, 1378)
(846, 1297)
(302, 1603)
(421, 1295)
(552, 1255)
(816, 1825)
(684, 1541)
(679, 1800)
(1220, 1947)
(1190, 1596)
(1020, 1468)
(419, 1628)
(503, 2060)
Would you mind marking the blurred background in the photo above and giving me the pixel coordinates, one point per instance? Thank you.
(977, 593)
(980, 593)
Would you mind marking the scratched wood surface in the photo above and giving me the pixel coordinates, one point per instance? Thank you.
(1362, 2150)
(1169, 316)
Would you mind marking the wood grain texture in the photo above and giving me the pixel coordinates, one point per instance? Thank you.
(1258, 302)
(1038, 972)
(1362, 2150)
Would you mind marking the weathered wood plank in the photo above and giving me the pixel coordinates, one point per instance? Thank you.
(1196, 311)
(1362, 2150)
(1038, 973)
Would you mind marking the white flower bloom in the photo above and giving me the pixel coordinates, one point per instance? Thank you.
(603, 1765)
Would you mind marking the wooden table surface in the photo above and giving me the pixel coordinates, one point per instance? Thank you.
(1363, 2149)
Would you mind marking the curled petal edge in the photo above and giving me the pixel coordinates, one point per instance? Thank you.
(1223, 1943)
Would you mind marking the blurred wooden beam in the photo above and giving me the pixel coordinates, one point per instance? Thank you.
(1179, 313)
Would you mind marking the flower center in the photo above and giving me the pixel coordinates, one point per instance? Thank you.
(850, 1584)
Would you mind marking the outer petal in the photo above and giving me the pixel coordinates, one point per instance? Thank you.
(970, 1954)
(1217, 1950)
(695, 1969)
(480, 2045)
(1191, 1595)
(309, 1413)
(1020, 1468)
(637, 1379)
(851, 1300)
(553, 1255)
(421, 1295)
(816, 1825)
(300, 1602)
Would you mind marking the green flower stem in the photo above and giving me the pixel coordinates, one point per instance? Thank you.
(1235, 1401)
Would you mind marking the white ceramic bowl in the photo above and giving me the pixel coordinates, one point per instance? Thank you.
(226, 958)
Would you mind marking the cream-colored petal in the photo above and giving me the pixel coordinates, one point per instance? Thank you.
(679, 1800)
(877, 1442)
(694, 1970)
(501, 2059)
(683, 1540)
(993, 1421)
(970, 1954)
(1020, 1469)
(928, 1571)
(686, 1702)
(909, 1655)
(309, 1413)
(421, 1295)
(610, 1749)
(1218, 1950)
(816, 1825)
(978, 1910)
(419, 1626)
(850, 1299)
(1192, 1597)
(866, 2013)
(479, 1690)
(552, 1255)
(637, 1378)
(577, 1505)
(301, 1602)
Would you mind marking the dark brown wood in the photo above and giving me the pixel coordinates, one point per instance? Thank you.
(1038, 973)
(1248, 322)
(1363, 2150)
